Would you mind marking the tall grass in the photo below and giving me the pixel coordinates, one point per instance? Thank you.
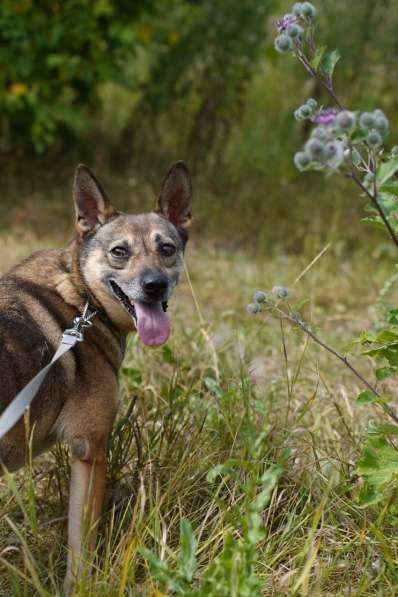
(232, 458)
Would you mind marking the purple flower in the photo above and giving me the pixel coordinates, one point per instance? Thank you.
(285, 22)
(326, 116)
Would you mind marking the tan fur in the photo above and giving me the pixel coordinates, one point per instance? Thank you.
(41, 296)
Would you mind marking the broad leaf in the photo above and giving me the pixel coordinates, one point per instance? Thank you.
(188, 550)
(329, 61)
(384, 373)
(387, 202)
(379, 463)
(319, 52)
(374, 221)
(393, 316)
(367, 397)
(386, 171)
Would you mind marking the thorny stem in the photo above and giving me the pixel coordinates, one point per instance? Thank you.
(303, 326)
(373, 198)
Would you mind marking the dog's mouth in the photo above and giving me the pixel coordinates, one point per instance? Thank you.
(150, 319)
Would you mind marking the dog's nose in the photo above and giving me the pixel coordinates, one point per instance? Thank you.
(155, 285)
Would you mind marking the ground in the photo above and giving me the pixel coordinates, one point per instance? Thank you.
(225, 389)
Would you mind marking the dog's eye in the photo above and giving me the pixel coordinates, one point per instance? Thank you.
(167, 249)
(120, 252)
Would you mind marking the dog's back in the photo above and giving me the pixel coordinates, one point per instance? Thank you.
(34, 311)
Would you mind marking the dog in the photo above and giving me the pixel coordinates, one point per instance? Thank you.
(127, 267)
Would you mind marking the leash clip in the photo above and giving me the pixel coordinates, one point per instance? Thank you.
(79, 324)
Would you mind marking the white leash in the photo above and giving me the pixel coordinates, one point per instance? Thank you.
(70, 338)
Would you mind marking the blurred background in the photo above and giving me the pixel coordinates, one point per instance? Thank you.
(128, 87)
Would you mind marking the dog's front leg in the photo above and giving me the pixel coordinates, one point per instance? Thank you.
(88, 473)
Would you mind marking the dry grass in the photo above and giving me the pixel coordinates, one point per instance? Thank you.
(224, 381)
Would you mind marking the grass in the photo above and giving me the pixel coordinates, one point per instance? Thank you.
(228, 391)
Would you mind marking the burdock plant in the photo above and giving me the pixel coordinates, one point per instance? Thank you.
(352, 143)
(347, 141)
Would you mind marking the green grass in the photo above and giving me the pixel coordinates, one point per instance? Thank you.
(225, 391)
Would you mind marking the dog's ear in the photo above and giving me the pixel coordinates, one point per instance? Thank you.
(175, 197)
(92, 205)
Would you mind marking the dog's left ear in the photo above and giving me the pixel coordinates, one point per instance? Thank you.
(175, 197)
(92, 204)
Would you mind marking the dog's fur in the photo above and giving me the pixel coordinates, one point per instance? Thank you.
(41, 296)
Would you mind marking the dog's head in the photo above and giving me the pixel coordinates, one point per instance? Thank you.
(131, 263)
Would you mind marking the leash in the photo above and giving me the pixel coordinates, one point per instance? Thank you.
(22, 400)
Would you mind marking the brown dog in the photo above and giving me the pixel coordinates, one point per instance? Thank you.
(127, 266)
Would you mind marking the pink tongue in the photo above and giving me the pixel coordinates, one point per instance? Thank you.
(153, 325)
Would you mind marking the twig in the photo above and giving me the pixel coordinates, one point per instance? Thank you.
(303, 326)
(325, 84)
(373, 198)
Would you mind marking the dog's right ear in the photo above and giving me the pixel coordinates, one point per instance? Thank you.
(92, 205)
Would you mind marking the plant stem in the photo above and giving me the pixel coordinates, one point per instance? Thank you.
(373, 198)
(303, 326)
(325, 84)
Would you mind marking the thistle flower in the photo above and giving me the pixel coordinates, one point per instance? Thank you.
(305, 111)
(321, 133)
(326, 116)
(259, 296)
(381, 123)
(295, 31)
(281, 292)
(285, 22)
(301, 160)
(345, 120)
(253, 308)
(334, 154)
(314, 148)
(297, 8)
(308, 10)
(312, 103)
(366, 121)
(283, 43)
(374, 138)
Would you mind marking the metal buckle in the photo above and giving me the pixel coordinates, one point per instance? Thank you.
(79, 324)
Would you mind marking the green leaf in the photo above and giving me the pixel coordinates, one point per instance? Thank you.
(269, 480)
(329, 61)
(386, 171)
(393, 316)
(391, 186)
(189, 545)
(386, 429)
(316, 60)
(386, 336)
(367, 397)
(369, 495)
(358, 136)
(388, 203)
(213, 387)
(384, 373)
(168, 355)
(374, 221)
(161, 571)
(379, 463)
(133, 375)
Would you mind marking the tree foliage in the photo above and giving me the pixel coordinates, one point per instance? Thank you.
(53, 56)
